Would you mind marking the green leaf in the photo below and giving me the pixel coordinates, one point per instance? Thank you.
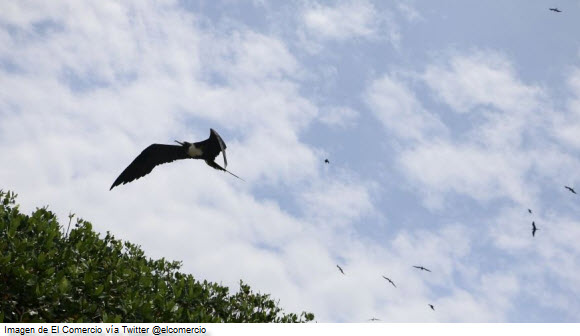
(63, 285)
(99, 290)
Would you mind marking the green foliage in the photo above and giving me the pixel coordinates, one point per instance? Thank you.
(49, 276)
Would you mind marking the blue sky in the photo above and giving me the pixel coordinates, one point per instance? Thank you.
(443, 121)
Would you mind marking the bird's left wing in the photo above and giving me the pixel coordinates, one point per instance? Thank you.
(150, 157)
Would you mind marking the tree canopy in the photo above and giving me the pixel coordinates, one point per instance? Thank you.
(49, 275)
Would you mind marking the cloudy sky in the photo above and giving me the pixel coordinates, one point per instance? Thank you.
(443, 121)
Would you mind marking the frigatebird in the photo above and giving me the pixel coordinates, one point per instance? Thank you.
(572, 190)
(340, 269)
(389, 280)
(157, 154)
(534, 229)
(530, 210)
(555, 10)
(374, 319)
(422, 268)
(326, 161)
(430, 305)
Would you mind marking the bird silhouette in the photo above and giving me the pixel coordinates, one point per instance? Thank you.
(340, 269)
(530, 210)
(326, 161)
(571, 190)
(555, 10)
(422, 268)
(374, 319)
(432, 307)
(157, 154)
(534, 229)
(389, 280)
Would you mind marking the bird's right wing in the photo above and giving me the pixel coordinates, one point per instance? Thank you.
(222, 144)
(150, 157)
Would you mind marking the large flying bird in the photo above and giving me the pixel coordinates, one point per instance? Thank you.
(340, 269)
(389, 280)
(571, 190)
(555, 10)
(534, 229)
(430, 305)
(157, 154)
(422, 268)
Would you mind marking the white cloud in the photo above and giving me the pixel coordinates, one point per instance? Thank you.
(567, 125)
(480, 78)
(324, 203)
(338, 116)
(466, 169)
(344, 21)
(488, 161)
(410, 12)
(242, 56)
(400, 112)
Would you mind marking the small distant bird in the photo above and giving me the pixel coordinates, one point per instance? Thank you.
(326, 161)
(389, 280)
(432, 307)
(374, 319)
(157, 154)
(555, 10)
(534, 229)
(340, 269)
(571, 190)
(422, 268)
(530, 210)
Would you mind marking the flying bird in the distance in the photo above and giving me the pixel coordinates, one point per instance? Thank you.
(389, 280)
(157, 154)
(571, 190)
(530, 210)
(340, 269)
(534, 229)
(555, 10)
(326, 161)
(374, 319)
(422, 268)
(432, 307)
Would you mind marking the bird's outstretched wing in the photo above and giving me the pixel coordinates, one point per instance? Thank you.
(150, 157)
(222, 144)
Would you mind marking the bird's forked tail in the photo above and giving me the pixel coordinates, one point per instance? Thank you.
(214, 165)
